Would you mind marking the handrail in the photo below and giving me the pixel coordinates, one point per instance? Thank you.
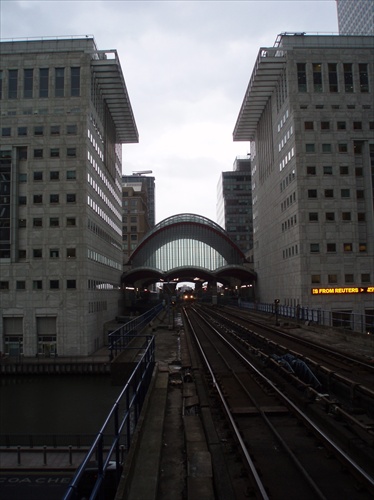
(132, 397)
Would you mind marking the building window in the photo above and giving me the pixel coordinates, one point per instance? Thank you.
(59, 82)
(347, 247)
(343, 148)
(12, 83)
(345, 193)
(54, 253)
(55, 153)
(357, 125)
(359, 172)
(361, 217)
(4, 285)
(314, 247)
(333, 77)
(346, 216)
(71, 198)
(71, 129)
(21, 285)
(37, 222)
(327, 170)
(341, 126)
(310, 148)
(308, 125)
(28, 80)
(364, 79)
(325, 125)
(312, 193)
(344, 170)
(365, 278)
(331, 247)
(54, 198)
(54, 175)
(37, 285)
(37, 253)
(70, 253)
(348, 77)
(71, 175)
(38, 176)
(38, 199)
(313, 216)
(22, 177)
(349, 278)
(55, 129)
(54, 284)
(332, 278)
(6, 132)
(70, 221)
(317, 77)
(71, 152)
(22, 131)
(362, 247)
(311, 170)
(54, 222)
(301, 77)
(38, 153)
(75, 82)
(330, 216)
(22, 200)
(71, 284)
(316, 279)
(39, 130)
(22, 254)
(329, 193)
(326, 148)
(21, 222)
(43, 82)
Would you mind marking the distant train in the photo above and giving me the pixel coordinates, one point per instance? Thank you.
(189, 296)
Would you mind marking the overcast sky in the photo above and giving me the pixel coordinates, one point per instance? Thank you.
(187, 65)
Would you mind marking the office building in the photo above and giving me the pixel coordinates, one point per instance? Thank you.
(308, 113)
(135, 220)
(150, 186)
(355, 17)
(234, 203)
(65, 113)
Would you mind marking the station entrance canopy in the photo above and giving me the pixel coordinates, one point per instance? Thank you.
(187, 247)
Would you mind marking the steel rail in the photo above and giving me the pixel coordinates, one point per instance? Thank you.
(340, 454)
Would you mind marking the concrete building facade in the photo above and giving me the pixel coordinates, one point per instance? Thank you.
(309, 116)
(65, 113)
(355, 17)
(234, 203)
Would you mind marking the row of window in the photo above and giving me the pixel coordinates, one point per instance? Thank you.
(340, 125)
(333, 77)
(54, 175)
(53, 198)
(53, 153)
(53, 222)
(38, 285)
(340, 147)
(329, 193)
(328, 170)
(38, 130)
(330, 216)
(335, 278)
(31, 83)
(54, 253)
(331, 247)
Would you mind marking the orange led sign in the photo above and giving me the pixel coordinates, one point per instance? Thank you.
(343, 290)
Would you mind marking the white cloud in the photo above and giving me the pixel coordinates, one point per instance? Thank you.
(186, 65)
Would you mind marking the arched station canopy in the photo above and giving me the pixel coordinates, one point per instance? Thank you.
(188, 247)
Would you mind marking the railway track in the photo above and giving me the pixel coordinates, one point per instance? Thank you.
(285, 453)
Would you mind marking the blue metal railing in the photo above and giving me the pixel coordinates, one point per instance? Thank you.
(118, 428)
(361, 323)
(120, 338)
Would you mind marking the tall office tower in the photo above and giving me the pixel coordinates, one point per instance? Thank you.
(65, 112)
(149, 183)
(308, 113)
(135, 223)
(234, 203)
(355, 17)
